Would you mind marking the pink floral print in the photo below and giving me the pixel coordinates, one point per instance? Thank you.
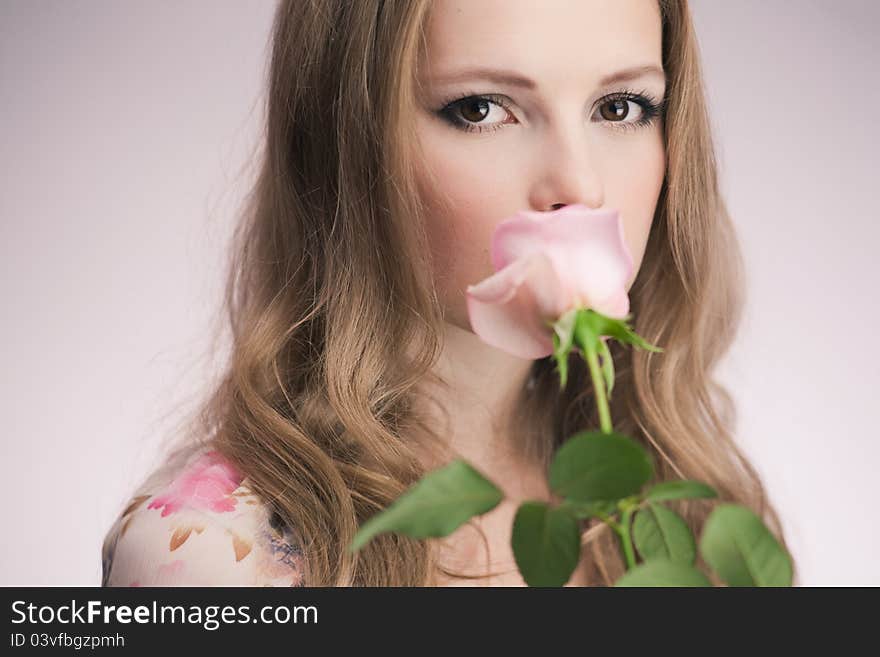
(207, 484)
(212, 530)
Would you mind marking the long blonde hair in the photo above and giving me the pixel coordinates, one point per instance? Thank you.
(330, 277)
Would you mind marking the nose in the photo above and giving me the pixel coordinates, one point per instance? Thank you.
(566, 173)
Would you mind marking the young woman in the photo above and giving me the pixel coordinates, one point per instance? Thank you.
(399, 134)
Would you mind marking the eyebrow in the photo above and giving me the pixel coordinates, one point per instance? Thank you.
(500, 76)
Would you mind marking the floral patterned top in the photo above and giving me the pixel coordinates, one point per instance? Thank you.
(194, 522)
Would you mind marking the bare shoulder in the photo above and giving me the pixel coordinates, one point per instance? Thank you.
(195, 522)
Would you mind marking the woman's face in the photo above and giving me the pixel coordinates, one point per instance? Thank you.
(560, 133)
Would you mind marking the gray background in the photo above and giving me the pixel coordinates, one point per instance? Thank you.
(124, 128)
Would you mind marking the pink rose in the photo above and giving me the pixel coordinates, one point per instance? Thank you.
(547, 263)
(206, 484)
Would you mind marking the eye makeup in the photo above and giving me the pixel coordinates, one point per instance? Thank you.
(651, 109)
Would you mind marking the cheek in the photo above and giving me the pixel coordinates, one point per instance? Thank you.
(636, 198)
(637, 227)
(463, 202)
(459, 227)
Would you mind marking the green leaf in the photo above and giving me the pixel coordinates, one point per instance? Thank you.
(607, 366)
(661, 533)
(591, 323)
(679, 489)
(663, 572)
(740, 548)
(436, 505)
(546, 543)
(594, 466)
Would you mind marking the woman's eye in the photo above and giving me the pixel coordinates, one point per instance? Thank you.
(617, 110)
(476, 113)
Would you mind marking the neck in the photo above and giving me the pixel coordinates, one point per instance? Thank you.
(474, 404)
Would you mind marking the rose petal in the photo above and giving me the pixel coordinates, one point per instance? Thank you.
(508, 310)
(586, 246)
(616, 306)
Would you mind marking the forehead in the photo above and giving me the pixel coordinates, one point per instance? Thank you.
(551, 41)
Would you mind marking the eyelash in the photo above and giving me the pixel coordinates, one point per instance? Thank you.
(651, 110)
